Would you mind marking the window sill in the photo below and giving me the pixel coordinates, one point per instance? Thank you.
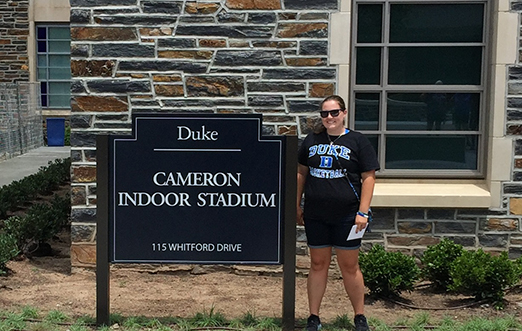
(56, 112)
(437, 195)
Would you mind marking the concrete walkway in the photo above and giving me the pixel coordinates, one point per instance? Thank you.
(29, 163)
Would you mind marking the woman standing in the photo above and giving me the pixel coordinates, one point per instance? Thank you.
(336, 172)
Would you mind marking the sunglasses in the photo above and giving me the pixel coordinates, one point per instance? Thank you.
(334, 112)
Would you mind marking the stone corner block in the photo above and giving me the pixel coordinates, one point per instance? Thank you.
(83, 255)
(515, 206)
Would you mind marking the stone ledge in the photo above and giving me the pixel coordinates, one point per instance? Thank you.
(429, 195)
(83, 256)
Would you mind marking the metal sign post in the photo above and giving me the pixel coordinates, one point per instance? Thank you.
(289, 263)
(102, 232)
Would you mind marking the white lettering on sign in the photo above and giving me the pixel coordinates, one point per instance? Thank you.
(158, 199)
(204, 199)
(196, 179)
(186, 133)
(181, 199)
(196, 247)
(251, 200)
(229, 247)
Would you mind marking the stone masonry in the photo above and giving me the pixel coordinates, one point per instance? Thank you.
(237, 56)
(230, 56)
(14, 30)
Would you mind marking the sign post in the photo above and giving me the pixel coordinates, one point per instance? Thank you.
(203, 189)
(290, 235)
(102, 232)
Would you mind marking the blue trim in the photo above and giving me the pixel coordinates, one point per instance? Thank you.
(319, 246)
(347, 248)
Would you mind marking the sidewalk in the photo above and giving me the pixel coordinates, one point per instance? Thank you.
(29, 163)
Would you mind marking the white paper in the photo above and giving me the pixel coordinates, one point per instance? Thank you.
(354, 235)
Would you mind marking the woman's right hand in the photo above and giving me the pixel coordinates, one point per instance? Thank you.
(302, 172)
(299, 219)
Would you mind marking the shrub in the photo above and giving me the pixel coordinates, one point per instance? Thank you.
(44, 182)
(437, 261)
(40, 224)
(388, 273)
(6, 203)
(8, 250)
(484, 276)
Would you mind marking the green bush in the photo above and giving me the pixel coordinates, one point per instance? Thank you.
(13, 227)
(49, 179)
(484, 276)
(41, 221)
(8, 250)
(40, 224)
(437, 261)
(44, 182)
(8, 199)
(388, 273)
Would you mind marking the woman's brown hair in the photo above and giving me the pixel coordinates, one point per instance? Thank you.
(337, 99)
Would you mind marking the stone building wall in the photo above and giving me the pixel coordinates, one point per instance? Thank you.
(411, 230)
(512, 199)
(229, 56)
(236, 56)
(14, 30)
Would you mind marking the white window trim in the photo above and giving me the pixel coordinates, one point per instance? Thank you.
(45, 11)
(446, 193)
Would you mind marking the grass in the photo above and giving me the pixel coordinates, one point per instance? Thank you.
(209, 319)
(30, 319)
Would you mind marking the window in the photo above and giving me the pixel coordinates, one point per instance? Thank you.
(417, 85)
(54, 65)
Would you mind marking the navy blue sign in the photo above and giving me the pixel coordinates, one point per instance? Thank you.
(196, 189)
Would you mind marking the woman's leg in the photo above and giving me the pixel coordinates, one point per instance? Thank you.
(353, 281)
(318, 277)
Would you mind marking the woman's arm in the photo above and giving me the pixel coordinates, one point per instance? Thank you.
(368, 184)
(302, 172)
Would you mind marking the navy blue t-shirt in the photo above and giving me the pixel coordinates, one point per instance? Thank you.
(327, 192)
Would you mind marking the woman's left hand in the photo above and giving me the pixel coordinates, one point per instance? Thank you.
(361, 222)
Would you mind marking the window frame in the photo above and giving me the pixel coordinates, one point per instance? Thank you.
(383, 88)
(48, 68)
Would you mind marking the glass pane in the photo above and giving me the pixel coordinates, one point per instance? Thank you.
(60, 61)
(60, 46)
(59, 101)
(408, 111)
(374, 140)
(42, 47)
(60, 88)
(428, 65)
(369, 23)
(44, 100)
(60, 33)
(41, 33)
(433, 111)
(436, 23)
(366, 111)
(431, 152)
(368, 69)
(62, 73)
(43, 87)
(42, 61)
(465, 111)
(42, 74)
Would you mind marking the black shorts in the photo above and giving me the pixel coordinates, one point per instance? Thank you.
(326, 233)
